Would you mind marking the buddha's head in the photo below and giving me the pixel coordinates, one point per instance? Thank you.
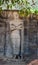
(15, 15)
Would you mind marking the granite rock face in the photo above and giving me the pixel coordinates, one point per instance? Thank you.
(29, 35)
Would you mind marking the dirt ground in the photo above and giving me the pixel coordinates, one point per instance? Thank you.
(10, 61)
(6, 61)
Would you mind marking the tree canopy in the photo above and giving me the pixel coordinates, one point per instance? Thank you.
(25, 6)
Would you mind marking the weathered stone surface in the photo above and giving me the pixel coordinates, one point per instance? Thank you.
(30, 31)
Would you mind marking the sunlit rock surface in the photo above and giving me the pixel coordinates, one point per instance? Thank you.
(34, 62)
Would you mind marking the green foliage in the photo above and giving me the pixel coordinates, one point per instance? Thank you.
(36, 11)
(19, 2)
(23, 4)
(1, 2)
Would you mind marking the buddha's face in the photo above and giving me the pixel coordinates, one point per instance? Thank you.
(15, 15)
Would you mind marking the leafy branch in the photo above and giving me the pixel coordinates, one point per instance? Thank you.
(23, 5)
